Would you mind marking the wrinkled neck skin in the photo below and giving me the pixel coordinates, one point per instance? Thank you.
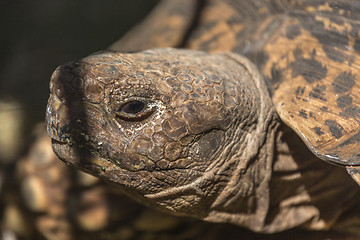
(307, 191)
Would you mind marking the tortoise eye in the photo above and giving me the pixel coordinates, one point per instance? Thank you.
(132, 107)
(134, 110)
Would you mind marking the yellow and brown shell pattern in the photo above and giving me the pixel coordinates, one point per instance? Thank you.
(308, 52)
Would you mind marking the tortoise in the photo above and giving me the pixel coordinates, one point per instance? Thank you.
(232, 128)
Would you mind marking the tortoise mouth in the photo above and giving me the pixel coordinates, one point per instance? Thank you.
(67, 139)
(79, 157)
(91, 162)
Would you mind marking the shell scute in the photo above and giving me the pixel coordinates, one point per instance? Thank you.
(320, 71)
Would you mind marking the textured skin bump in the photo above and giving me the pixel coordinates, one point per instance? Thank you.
(185, 156)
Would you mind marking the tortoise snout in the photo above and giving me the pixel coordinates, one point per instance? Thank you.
(66, 83)
(65, 103)
(57, 119)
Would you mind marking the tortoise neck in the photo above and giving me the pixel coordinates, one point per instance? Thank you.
(302, 185)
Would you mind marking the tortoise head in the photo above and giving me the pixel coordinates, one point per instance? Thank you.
(180, 130)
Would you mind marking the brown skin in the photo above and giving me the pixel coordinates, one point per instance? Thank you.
(201, 147)
(165, 154)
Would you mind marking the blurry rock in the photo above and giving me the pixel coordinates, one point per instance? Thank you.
(11, 127)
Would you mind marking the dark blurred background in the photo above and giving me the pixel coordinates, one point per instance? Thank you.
(38, 35)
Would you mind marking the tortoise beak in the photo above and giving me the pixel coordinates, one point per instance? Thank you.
(64, 109)
(66, 119)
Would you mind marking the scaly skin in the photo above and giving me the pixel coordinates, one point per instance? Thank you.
(201, 145)
(181, 152)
